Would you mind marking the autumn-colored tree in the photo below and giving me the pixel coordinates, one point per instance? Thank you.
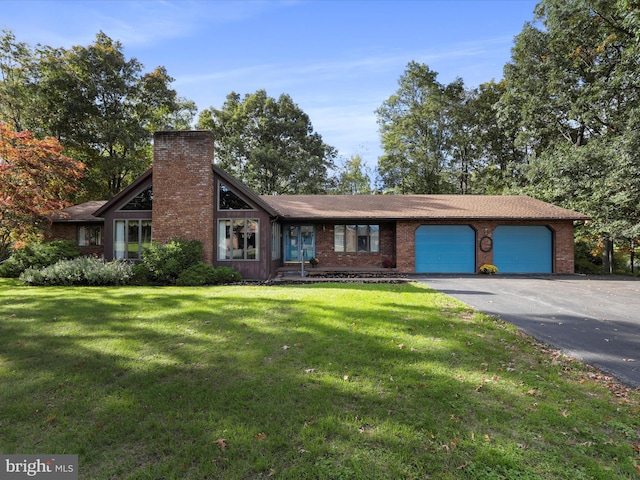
(35, 181)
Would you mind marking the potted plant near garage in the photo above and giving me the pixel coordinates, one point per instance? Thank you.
(488, 269)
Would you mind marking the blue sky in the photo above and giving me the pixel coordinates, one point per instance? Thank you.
(338, 60)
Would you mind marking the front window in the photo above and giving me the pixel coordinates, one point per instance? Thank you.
(238, 239)
(356, 238)
(131, 237)
(89, 235)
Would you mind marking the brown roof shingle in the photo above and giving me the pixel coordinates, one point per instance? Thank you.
(80, 213)
(417, 207)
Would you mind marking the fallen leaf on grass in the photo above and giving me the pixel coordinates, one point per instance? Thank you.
(260, 436)
(222, 443)
(286, 347)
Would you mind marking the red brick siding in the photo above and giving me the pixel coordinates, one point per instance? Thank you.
(563, 242)
(329, 258)
(183, 188)
(69, 231)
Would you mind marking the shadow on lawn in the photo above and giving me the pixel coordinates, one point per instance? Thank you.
(179, 385)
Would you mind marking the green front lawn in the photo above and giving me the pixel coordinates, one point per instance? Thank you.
(324, 381)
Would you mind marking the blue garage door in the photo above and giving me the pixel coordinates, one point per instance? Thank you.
(520, 249)
(445, 249)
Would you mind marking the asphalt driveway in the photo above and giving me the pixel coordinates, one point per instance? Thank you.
(593, 319)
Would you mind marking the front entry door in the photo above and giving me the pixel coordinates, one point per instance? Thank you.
(299, 239)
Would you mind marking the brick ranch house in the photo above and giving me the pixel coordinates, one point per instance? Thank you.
(186, 195)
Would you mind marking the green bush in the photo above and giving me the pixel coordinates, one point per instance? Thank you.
(79, 271)
(38, 255)
(198, 274)
(224, 275)
(163, 263)
(203, 274)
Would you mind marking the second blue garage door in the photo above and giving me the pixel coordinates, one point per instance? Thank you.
(522, 249)
(445, 249)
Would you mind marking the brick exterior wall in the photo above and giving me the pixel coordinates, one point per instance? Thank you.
(329, 258)
(183, 188)
(562, 234)
(69, 231)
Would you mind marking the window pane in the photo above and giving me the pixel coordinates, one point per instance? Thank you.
(338, 238)
(83, 236)
(227, 200)
(363, 238)
(119, 240)
(238, 240)
(133, 239)
(146, 234)
(374, 238)
(252, 239)
(307, 237)
(275, 241)
(142, 201)
(351, 239)
(224, 240)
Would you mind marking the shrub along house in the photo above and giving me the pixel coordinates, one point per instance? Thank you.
(186, 195)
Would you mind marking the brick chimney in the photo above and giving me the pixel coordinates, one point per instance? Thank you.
(183, 189)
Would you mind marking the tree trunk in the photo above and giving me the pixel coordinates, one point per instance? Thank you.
(607, 256)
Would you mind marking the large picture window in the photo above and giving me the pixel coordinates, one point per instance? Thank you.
(131, 237)
(356, 238)
(238, 239)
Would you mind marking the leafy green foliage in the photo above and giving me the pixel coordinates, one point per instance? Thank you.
(79, 271)
(37, 255)
(196, 275)
(164, 263)
(225, 275)
(99, 104)
(269, 144)
(353, 178)
(440, 138)
(203, 274)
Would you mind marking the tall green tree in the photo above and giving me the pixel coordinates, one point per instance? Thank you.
(269, 144)
(353, 178)
(500, 162)
(573, 85)
(17, 81)
(441, 138)
(100, 105)
(414, 133)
